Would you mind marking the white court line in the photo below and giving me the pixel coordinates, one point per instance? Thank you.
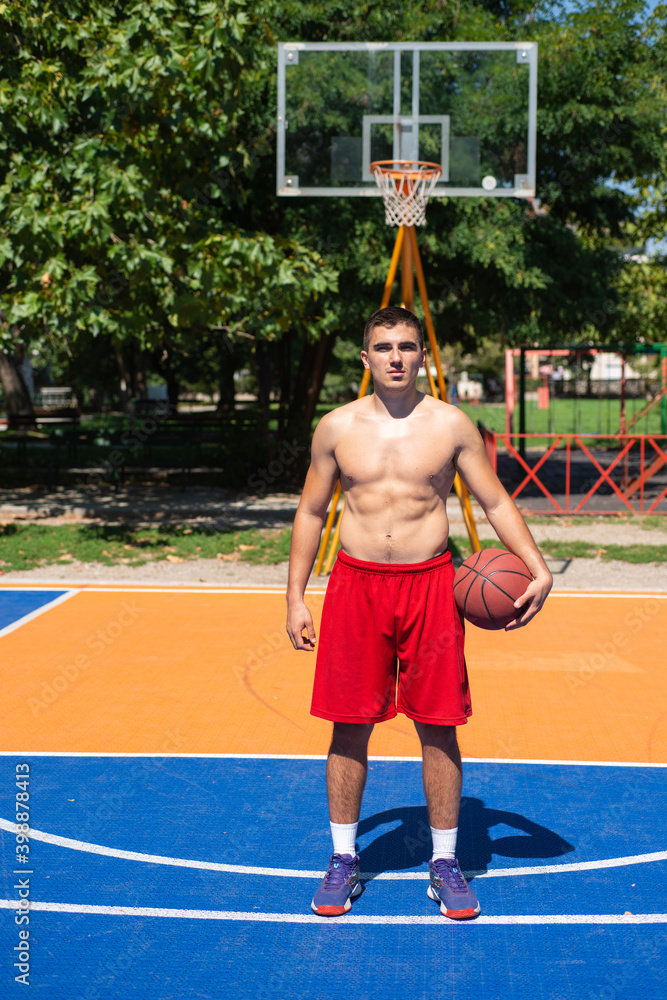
(38, 611)
(176, 589)
(608, 593)
(159, 859)
(192, 590)
(350, 918)
(565, 763)
(185, 588)
(158, 755)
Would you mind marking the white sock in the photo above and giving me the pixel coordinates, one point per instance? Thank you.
(344, 836)
(444, 843)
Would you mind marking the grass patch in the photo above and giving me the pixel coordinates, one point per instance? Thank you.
(638, 554)
(459, 545)
(24, 547)
(651, 522)
(570, 550)
(624, 553)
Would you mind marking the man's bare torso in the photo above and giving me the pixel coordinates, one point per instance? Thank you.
(396, 475)
(396, 454)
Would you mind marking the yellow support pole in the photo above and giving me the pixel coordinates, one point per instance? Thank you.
(427, 313)
(393, 267)
(459, 485)
(429, 376)
(327, 529)
(334, 542)
(407, 249)
(363, 389)
(407, 271)
(468, 516)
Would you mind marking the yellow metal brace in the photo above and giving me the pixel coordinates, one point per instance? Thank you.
(407, 248)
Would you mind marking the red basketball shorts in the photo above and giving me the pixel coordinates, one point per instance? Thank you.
(391, 640)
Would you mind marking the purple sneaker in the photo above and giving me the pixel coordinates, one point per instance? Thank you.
(338, 887)
(449, 888)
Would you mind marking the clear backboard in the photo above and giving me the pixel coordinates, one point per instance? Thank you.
(470, 107)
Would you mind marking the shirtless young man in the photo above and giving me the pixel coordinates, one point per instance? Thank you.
(390, 595)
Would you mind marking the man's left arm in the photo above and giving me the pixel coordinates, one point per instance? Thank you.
(504, 517)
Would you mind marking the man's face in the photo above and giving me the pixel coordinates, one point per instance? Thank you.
(394, 356)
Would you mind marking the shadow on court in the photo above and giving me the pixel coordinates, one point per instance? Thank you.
(408, 845)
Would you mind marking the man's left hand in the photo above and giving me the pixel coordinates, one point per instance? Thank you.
(531, 601)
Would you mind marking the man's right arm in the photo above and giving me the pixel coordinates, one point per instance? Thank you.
(307, 529)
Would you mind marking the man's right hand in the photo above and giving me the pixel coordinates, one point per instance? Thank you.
(298, 619)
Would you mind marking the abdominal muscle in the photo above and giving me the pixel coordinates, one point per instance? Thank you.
(394, 528)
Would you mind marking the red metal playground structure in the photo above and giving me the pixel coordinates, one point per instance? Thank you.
(582, 473)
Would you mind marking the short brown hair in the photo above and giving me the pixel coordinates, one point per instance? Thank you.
(391, 316)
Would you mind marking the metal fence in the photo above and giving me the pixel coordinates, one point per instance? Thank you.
(603, 388)
(582, 473)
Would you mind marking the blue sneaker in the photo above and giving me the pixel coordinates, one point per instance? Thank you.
(338, 887)
(449, 888)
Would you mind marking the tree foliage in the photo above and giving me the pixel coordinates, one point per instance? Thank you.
(137, 188)
(123, 157)
(549, 270)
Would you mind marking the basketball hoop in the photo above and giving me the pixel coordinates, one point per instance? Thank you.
(405, 186)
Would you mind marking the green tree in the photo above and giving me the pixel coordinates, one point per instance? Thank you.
(138, 202)
(125, 168)
(552, 270)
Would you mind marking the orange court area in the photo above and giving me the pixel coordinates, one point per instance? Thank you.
(161, 670)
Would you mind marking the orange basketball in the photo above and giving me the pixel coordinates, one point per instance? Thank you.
(486, 586)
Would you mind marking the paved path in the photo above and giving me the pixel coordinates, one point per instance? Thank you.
(228, 509)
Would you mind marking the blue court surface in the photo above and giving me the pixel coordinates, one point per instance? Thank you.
(16, 605)
(191, 877)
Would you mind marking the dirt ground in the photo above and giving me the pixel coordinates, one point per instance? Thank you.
(223, 509)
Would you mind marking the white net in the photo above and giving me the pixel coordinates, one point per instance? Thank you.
(405, 186)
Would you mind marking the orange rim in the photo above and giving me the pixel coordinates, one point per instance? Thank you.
(398, 169)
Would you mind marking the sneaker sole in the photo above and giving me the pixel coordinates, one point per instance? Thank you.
(336, 911)
(467, 914)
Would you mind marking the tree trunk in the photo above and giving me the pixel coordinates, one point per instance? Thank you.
(173, 389)
(17, 398)
(125, 385)
(265, 361)
(262, 368)
(140, 360)
(284, 378)
(226, 384)
(310, 378)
